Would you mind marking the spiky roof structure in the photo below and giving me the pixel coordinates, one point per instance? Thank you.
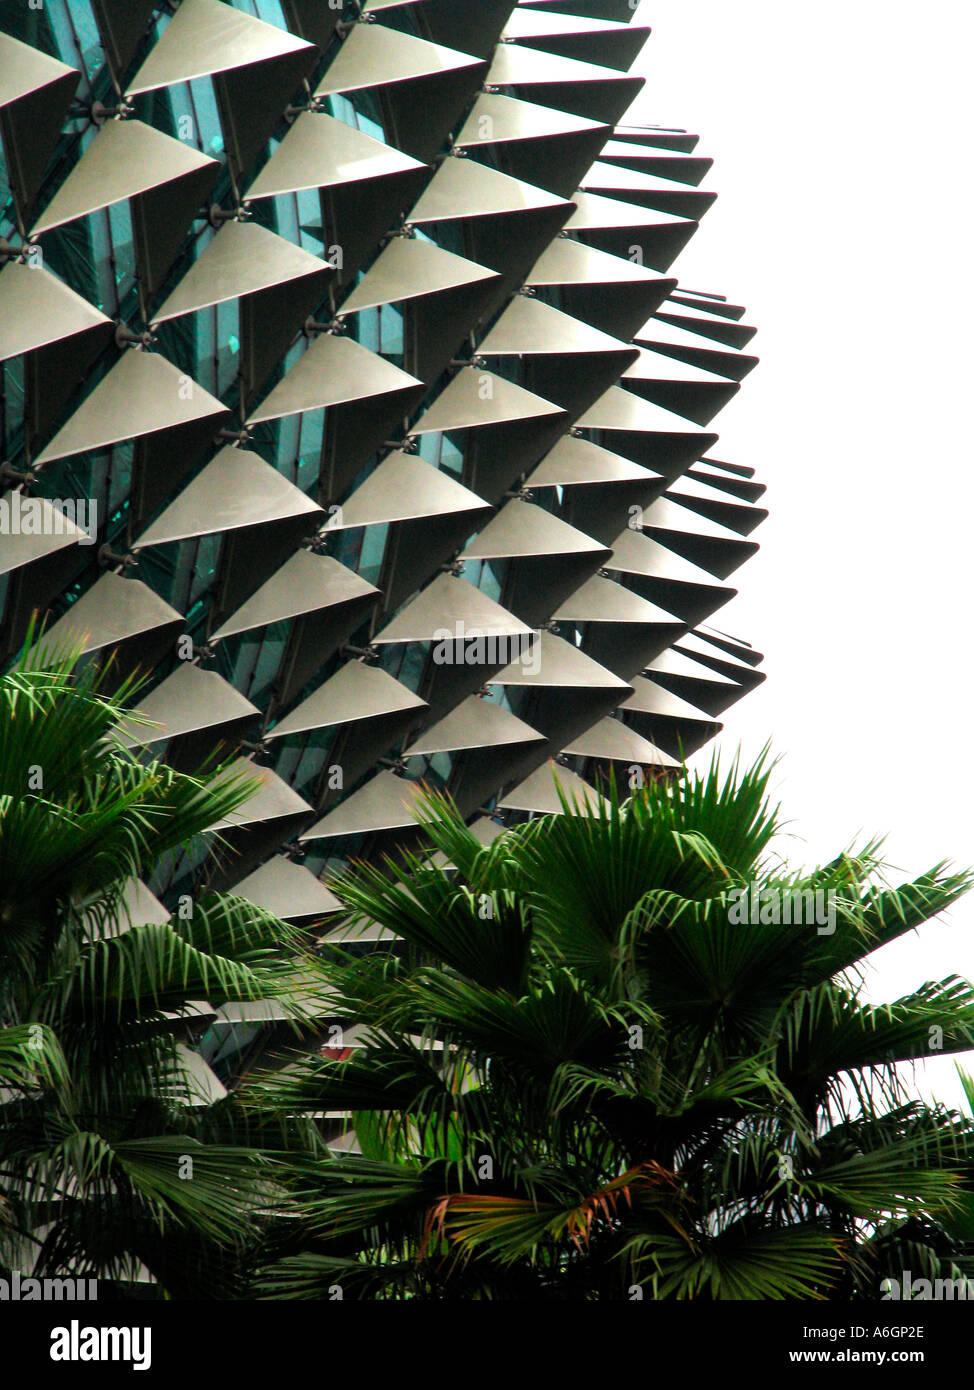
(353, 329)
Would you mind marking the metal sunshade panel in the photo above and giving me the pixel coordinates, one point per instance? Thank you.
(364, 185)
(542, 792)
(255, 68)
(114, 614)
(620, 11)
(577, 462)
(356, 692)
(622, 630)
(622, 229)
(475, 398)
(276, 283)
(235, 489)
(333, 371)
(273, 813)
(658, 137)
(386, 802)
(723, 477)
(710, 691)
(505, 223)
(451, 605)
(561, 358)
(647, 190)
(423, 87)
(288, 890)
(690, 392)
(474, 724)
(521, 530)
(321, 601)
(48, 530)
(610, 293)
(673, 165)
(59, 335)
(405, 488)
(706, 543)
(191, 711)
(35, 93)
(677, 727)
(610, 740)
(165, 182)
(709, 658)
(322, 152)
(307, 583)
(442, 297)
(667, 579)
(474, 29)
(410, 269)
(717, 328)
(143, 394)
(585, 89)
(546, 148)
(556, 664)
(271, 799)
(608, 43)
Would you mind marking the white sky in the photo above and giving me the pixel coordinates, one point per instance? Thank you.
(842, 135)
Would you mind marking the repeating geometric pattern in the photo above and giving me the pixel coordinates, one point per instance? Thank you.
(347, 389)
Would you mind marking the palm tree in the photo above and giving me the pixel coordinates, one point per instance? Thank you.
(112, 1165)
(583, 1075)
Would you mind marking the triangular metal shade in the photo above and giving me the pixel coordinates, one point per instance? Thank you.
(602, 600)
(255, 68)
(496, 119)
(142, 394)
(322, 152)
(237, 488)
(206, 37)
(112, 610)
(273, 799)
(522, 529)
(35, 93)
(355, 692)
(540, 792)
(331, 372)
(475, 397)
(167, 178)
(306, 583)
(462, 188)
(528, 326)
(404, 488)
(577, 462)
(386, 802)
(36, 309)
(288, 890)
(242, 259)
(39, 530)
(187, 701)
(451, 605)
(612, 741)
(475, 723)
(121, 24)
(556, 662)
(374, 56)
(409, 269)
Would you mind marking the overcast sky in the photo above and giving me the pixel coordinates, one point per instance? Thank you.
(842, 135)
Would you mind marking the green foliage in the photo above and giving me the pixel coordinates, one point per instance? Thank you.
(108, 1159)
(585, 1075)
